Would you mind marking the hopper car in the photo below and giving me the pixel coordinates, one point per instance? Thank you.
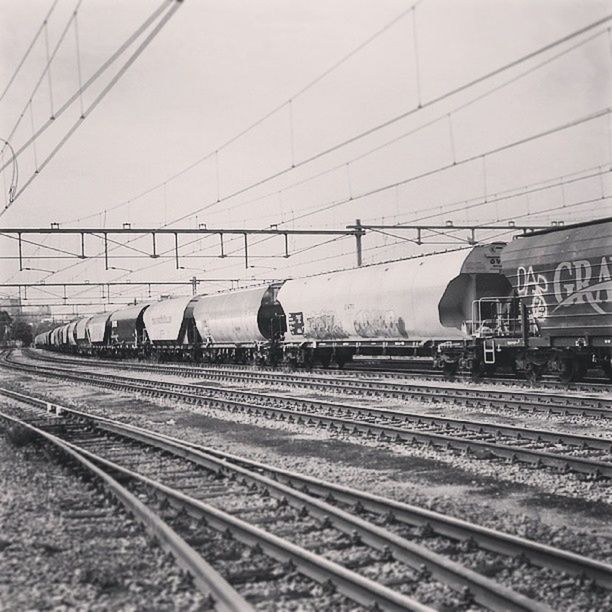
(540, 303)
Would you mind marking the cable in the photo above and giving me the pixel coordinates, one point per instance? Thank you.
(109, 62)
(464, 105)
(463, 161)
(394, 140)
(522, 141)
(173, 8)
(50, 59)
(365, 133)
(515, 192)
(28, 50)
(14, 176)
(444, 116)
(269, 114)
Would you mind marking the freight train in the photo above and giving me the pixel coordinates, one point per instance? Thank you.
(540, 303)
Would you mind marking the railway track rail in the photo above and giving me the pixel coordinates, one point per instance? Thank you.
(535, 447)
(357, 371)
(306, 494)
(554, 402)
(222, 596)
(259, 508)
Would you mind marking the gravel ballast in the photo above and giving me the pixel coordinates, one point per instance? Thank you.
(63, 546)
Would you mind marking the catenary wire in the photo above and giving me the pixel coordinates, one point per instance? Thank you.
(156, 29)
(378, 127)
(28, 50)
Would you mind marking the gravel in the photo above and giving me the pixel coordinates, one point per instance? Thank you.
(535, 503)
(62, 546)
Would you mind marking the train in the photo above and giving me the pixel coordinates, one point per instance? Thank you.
(538, 303)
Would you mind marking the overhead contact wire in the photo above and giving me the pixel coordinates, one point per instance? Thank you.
(28, 50)
(40, 80)
(96, 75)
(386, 123)
(103, 93)
(276, 109)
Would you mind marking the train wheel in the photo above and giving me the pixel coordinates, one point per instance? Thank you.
(606, 366)
(450, 369)
(534, 372)
(478, 371)
(567, 370)
(581, 370)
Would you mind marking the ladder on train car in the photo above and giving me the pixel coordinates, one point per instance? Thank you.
(488, 349)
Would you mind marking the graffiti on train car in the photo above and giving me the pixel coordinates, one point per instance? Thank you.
(324, 326)
(379, 324)
(584, 281)
(534, 285)
(573, 283)
(295, 323)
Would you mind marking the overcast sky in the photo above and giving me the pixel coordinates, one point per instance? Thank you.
(217, 67)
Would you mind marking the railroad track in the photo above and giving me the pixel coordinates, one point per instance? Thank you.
(365, 519)
(221, 596)
(553, 402)
(356, 371)
(588, 455)
(269, 517)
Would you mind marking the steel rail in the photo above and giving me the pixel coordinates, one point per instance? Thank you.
(358, 588)
(208, 580)
(395, 415)
(355, 368)
(387, 433)
(522, 399)
(484, 590)
(490, 539)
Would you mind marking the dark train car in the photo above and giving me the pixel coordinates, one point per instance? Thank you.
(126, 333)
(80, 333)
(563, 284)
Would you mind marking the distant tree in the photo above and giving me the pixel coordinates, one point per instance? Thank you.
(43, 326)
(5, 323)
(20, 330)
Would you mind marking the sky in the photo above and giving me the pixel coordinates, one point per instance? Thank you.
(216, 68)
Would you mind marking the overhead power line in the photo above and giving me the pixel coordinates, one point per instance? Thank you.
(445, 116)
(28, 50)
(380, 147)
(94, 77)
(46, 70)
(286, 103)
(173, 7)
(454, 164)
(452, 92)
